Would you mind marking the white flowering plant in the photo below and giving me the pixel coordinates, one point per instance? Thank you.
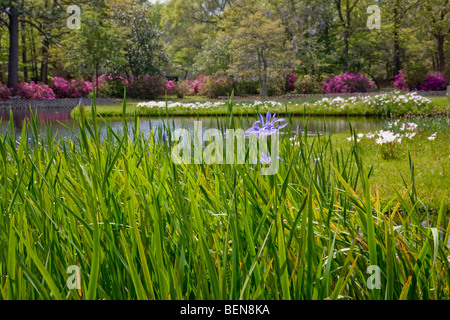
(390, 140)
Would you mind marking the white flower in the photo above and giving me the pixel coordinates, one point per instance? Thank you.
(388, 137)
(433, 137)
(353, 139)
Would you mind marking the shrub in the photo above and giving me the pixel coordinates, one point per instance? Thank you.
(71, 89)
(197, 84)
(111, 86)
(63, 88)
(82, 87)
(35, 91)
(412, 78)
(276, 86)
(213, 87)
(171, 87)
(5, 92)
(418, 79)
(290, 82)
(183, 88)
(308, 85)
(348, 82)
(146, 87)
(435, 81)
(243, 88)
(400, 81)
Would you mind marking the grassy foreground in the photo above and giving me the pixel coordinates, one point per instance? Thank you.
(298, 106)
(140, 227)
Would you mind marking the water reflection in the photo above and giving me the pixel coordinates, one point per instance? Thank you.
(63, 125)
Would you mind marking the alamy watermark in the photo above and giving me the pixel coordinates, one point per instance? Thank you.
(208, 147)
(74, 280)
(374, 281)
(74, 21)
(374, 20)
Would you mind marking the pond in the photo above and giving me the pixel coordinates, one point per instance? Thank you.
(62, 122)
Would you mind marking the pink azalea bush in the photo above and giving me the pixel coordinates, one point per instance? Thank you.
(5, 93)
(213, 87)
(71, 89)
(35, 91)
(197, 84)
(290, 83)
(348, 82)
(170, 87)
(184, 88)
(146, 87)
(400, 81)
(435, 81)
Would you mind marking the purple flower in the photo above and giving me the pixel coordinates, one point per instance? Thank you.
(348, 83)
(164, 137)
(267, 128)
(266, 159)
(299, 127)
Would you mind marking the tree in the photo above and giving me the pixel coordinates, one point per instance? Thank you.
(437, 18)
(257, 47)
(11, 9)
(144, 49)
(397, 11)
(94, 47)
(215, 56)
(345, 9)
(46, 16)
(188, 24)
(308, 27)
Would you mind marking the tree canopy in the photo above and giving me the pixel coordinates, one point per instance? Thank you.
(242, 39)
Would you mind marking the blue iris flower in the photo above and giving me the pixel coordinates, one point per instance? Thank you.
(266, 128)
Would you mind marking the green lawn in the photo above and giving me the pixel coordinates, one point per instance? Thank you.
(431, 161)
(292, 106)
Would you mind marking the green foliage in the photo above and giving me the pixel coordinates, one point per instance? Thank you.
(308, 85)
(213, 87)
(94, 48)
(255, 47)
(144, 49)
(214, 57)
(248, 87)
(139, 227)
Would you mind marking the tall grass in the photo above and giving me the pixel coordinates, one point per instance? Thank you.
(140, 227)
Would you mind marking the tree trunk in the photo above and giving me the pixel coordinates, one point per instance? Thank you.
(24, 53)
(346, 50)
(13, 65)
(264, 88)
(441, 53)
(397, 59)
(34, 58)
(44, 64)
(262, 73)
(1, 61)
(45, 58)
(96, 81)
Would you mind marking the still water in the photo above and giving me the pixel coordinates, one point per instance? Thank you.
(63, 125)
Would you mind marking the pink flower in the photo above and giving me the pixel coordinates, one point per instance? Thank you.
(348, 83)
(5, 93)
(35, 91)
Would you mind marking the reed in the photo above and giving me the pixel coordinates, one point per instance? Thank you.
(140, 227)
